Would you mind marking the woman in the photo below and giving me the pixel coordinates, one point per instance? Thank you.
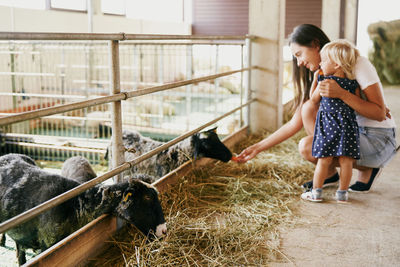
(377, 130)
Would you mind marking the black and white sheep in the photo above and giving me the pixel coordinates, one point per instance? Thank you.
(203, 144)
(23, 185)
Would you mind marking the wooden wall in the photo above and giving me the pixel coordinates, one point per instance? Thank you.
(221, 17)
(230, 17)
(302, 11)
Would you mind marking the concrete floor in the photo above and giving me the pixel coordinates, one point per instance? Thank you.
(364, 232)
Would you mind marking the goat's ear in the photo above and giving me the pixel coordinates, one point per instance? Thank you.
(214, 129)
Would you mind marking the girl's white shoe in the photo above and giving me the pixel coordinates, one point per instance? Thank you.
(315, 195)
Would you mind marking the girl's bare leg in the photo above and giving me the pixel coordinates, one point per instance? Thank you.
(308, 114)
(305, 147)
(321, 171)
(346, 171)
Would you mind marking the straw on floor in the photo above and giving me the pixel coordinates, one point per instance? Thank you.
(223, 214)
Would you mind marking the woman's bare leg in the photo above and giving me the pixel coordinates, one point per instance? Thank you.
(364, 173)
(309, 114)
(305, 147)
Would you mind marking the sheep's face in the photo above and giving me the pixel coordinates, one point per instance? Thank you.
(140, 206)
(207, 144)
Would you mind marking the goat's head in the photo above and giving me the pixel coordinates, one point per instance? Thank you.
(140, 206)
(207, 144)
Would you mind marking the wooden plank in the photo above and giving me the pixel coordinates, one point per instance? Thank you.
(91, 240)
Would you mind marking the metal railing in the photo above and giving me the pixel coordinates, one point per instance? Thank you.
(115, 98)
(42, 74)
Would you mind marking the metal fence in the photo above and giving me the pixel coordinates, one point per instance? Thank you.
(115, 63)
(41, 74)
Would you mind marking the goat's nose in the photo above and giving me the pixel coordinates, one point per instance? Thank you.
(161, 230)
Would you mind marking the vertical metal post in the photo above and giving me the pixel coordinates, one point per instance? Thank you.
(241, 85)
(13, 82)
(88, 76)
(116, 114)
(90, 15)
(189, 72)
(160, 79)
(135, 67)
(248, 85)
(216, 81)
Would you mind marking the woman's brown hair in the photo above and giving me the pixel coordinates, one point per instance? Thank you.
(311, 36)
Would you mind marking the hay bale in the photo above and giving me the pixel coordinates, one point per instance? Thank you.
(227, 214)
(386, 53)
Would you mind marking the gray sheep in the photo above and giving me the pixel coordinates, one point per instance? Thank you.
(203, 144)
(78, 168)
(23, 185)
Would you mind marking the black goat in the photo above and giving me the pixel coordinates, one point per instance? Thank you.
(203, 144)
(23, 185)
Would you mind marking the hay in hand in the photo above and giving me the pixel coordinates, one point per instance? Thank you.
(225, 214)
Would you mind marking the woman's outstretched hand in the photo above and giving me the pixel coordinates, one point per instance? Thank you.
(247, 154)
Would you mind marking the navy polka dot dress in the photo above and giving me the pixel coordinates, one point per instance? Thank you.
(336, 130)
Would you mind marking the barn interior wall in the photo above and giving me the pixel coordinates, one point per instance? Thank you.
(331, 22)
(31, 20)
(266, 22)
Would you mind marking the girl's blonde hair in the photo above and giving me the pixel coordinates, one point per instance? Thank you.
(343, 53)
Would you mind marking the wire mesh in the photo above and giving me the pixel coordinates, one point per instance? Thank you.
(41, 74)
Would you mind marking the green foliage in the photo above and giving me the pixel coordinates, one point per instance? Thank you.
(386, 53)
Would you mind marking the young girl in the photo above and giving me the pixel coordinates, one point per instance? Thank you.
(336, 132)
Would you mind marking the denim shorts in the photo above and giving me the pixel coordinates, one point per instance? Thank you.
(377, 146)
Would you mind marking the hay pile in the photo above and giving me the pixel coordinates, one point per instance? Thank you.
(386, 53)
(225, 214)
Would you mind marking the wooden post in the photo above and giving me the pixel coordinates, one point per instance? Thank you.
(339, 19)
(116, 117)
(266, 22)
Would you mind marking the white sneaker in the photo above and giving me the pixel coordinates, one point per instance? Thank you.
(342, 196)
(314, 195)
